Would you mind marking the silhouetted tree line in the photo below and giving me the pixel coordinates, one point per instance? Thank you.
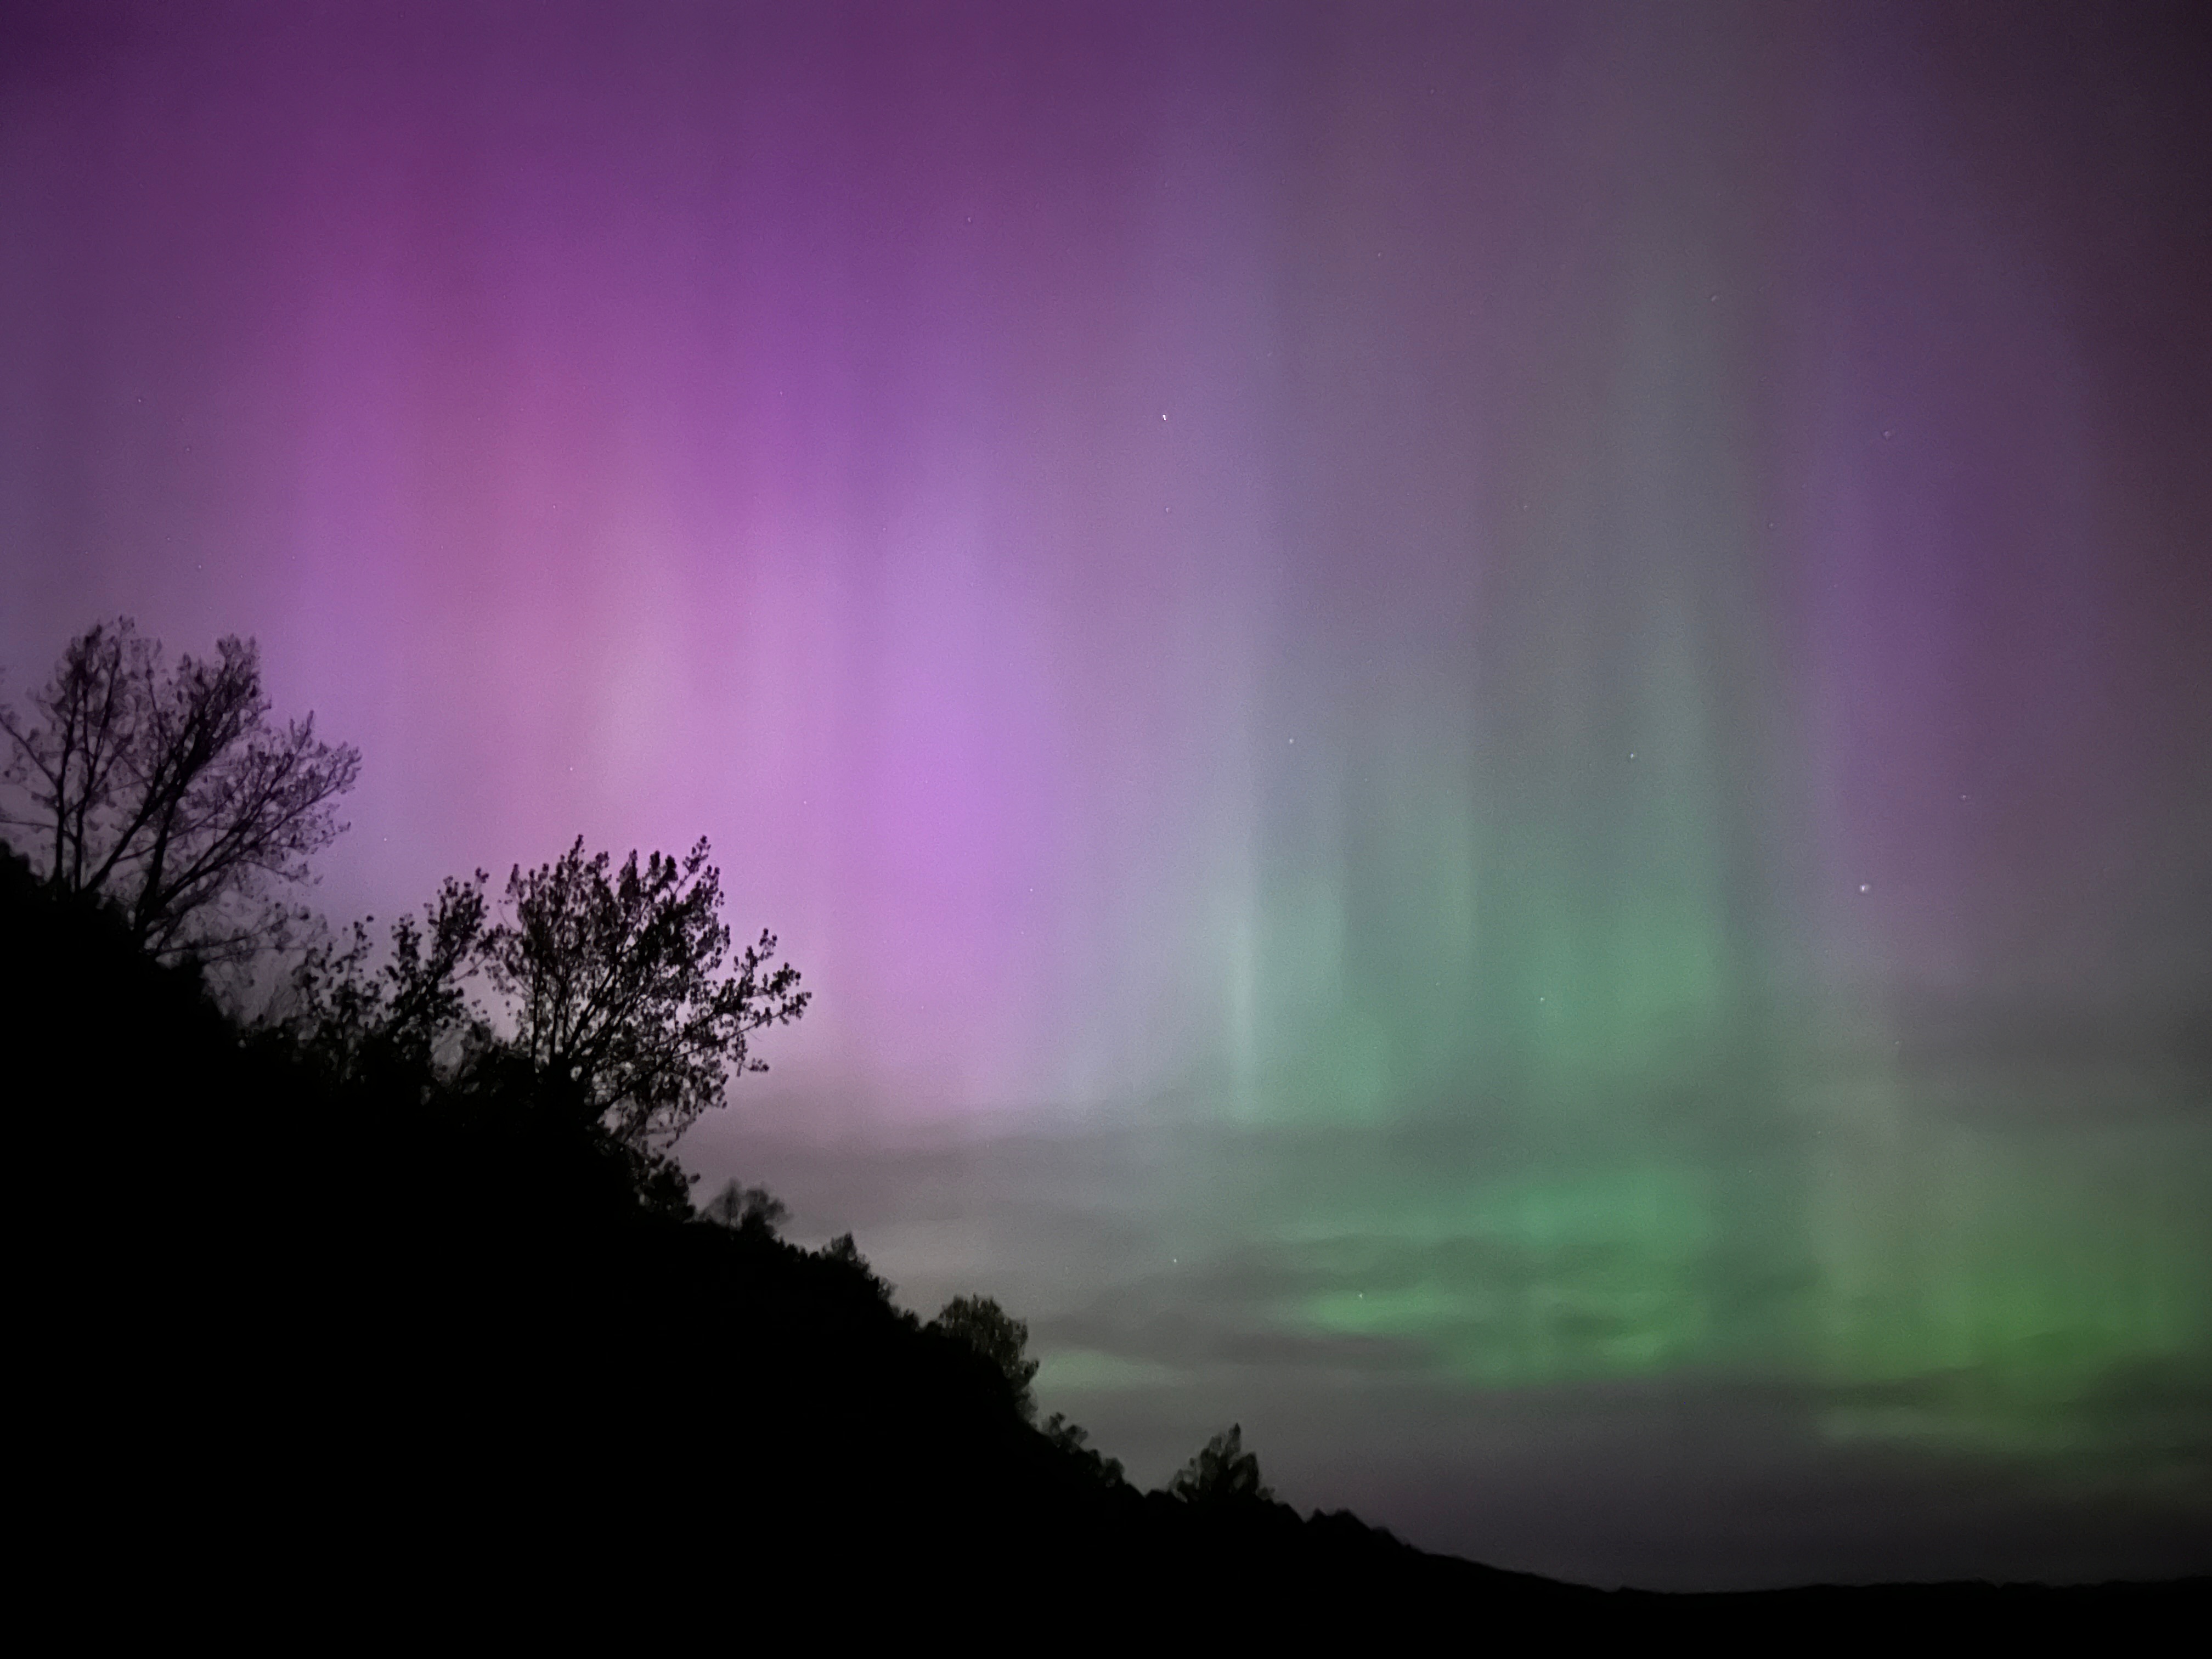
(381, 1286)
(408, 1240)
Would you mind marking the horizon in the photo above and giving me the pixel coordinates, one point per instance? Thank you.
(1482, 727)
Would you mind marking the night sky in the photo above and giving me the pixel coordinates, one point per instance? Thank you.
(1488, 728)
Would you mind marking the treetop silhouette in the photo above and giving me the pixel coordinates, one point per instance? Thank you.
(617, 984)
(1000, 1337)
(746, 1209)
(627, 1013)
(1223, 1471)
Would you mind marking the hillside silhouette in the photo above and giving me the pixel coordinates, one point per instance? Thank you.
(380, 1329)
(442, 1322)
(378, 1332)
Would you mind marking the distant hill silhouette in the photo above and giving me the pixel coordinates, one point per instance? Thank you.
(377, 1340)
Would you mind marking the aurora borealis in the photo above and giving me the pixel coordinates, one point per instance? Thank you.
(1486, 726)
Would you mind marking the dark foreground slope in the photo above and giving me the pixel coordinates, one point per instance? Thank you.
(382, 1345)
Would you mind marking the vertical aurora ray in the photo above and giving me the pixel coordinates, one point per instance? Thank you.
(1526, 821)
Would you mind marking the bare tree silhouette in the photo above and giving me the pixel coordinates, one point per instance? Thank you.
(169, 793)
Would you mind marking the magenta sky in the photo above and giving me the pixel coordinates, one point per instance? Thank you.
(953, 457)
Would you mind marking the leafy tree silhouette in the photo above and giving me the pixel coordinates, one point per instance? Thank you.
(997, 1335)
(169, 793)
(409, 1015)
(624, 1017)
(1223, 1471)
(617, 986)
(746, 1209)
